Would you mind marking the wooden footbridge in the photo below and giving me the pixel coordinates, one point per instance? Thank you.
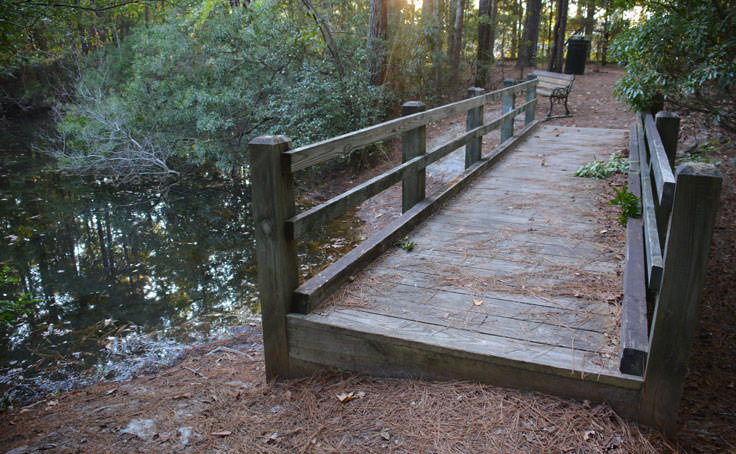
(508, 265)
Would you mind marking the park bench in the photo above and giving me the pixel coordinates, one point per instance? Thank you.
(556, 86)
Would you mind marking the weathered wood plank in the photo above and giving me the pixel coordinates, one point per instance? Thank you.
(420, 288)
(441, 309)
(651, 233)
(314, 290)
(634, 326)
(664, 179)
(696, 201)
(358, 341)
(317, 345)
(309, 155)
(273, 203)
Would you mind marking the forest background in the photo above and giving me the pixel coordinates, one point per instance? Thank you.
(145, 89)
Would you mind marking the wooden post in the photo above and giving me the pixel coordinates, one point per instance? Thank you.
(273, 203)
(531, 93)
(675, 317)
(507, 105)
(668, 126)
(413, 144)
(473, 150)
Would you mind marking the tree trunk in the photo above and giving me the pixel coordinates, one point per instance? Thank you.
(484, 43)
(457, 41)
(528, 44)
(324, 28)
(558, 46)
(606, 31)
(377, 35)
(431, 19)
(589, 19)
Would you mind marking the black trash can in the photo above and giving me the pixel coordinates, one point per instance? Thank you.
(577, 54)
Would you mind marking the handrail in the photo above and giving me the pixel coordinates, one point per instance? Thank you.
(277, 225)
(304, 222)
(309, 155)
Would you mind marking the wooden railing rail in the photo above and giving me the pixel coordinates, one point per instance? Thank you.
(309, 155)
(679, 211)
(277, 224)
(330, 209)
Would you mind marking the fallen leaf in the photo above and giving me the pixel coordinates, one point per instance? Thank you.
(111, 391)
(588, 435)
(346, 397)
(223, 433)
(384, 434)
(477, 302)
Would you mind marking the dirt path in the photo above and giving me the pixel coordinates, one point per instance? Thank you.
(216, 399)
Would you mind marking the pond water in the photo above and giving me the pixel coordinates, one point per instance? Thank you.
(125, 277)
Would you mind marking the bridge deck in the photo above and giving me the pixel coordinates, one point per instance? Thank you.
(503, 284)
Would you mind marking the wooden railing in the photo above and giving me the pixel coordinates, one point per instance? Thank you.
(278, 226)
(666, 257)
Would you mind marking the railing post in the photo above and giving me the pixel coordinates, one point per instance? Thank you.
(668, 126)
(675, 317)
(531, 93)
(507, 105)
(273, 203)
(474, 149)
(413, 144)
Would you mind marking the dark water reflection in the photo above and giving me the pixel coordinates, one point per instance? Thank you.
(125, 277)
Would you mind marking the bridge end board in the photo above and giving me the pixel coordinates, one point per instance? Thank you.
(392, 347)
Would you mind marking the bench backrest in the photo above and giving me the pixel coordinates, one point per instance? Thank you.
(548, 81)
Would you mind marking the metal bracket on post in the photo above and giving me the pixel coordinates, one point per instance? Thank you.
(507, 105)
(474, 149)
(273, 203)
(413, 144)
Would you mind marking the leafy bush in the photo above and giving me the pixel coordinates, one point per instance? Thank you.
(684, 54)
(199, 87)
(601, 169)
(629, 203)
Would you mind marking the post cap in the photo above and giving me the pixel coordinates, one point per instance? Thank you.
(270, 140)
(664, 114)
(411, 107)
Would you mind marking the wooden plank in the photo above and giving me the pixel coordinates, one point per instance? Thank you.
(442, 309)
(651, 235)
(526, 355)
(634, 339)
(309, 155)
(314, 290)
(381, 356)
(316, 216)
(273, 203)
(415, 291)
(664, 179)
(696, 201)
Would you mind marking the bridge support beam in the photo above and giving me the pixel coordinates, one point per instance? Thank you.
(413, 144)
(507, 105)
(473, 150)
(272, 186)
